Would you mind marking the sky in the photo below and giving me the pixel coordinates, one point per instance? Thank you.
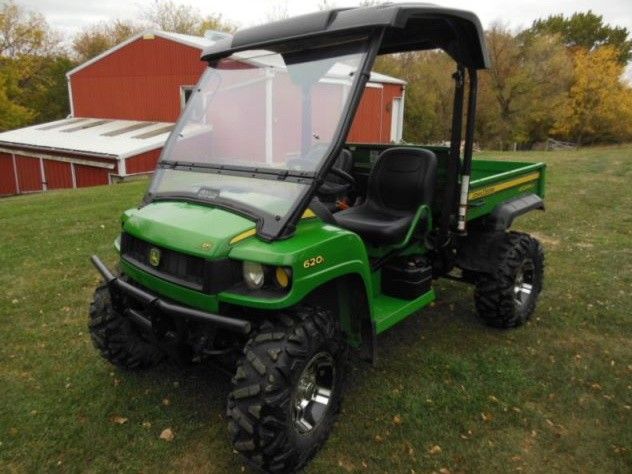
(71, 16)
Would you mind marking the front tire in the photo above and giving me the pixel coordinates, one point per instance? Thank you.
(116, 339)
(287, 390)
(507, 297)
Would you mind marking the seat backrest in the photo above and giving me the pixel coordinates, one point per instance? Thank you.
(402, 179)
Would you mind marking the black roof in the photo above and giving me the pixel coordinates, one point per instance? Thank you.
(409, 26)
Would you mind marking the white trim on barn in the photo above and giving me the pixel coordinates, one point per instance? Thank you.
(65, 159)
(70, 99)
(73, 175)
(15, 173)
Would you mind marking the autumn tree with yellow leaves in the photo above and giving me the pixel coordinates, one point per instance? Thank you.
(599, 108)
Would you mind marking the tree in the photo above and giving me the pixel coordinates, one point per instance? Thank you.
(32, 69)
(588, 31)
(48, 92)
(23, 33)
(168, 16)
(600, 107)
(100, 37)
(12, 115)
(525, 88)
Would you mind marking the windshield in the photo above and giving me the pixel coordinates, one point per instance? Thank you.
(277, 112)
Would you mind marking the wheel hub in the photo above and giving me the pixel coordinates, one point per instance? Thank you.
(313, 393)
(523, 283)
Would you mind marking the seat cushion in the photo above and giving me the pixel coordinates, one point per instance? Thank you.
(375, 225)
(401, 180)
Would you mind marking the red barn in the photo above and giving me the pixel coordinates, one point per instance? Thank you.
(124, 103)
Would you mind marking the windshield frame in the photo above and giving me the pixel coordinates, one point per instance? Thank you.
(271, 227)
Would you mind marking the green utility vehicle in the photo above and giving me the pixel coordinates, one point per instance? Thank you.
(267, 240)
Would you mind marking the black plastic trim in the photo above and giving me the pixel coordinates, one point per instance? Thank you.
(467, 44)
(502, 216)
(171, 309)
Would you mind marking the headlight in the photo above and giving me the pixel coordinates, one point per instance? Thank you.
(254, 275)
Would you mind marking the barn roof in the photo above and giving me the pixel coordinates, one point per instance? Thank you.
(197, 42)
(91, 136)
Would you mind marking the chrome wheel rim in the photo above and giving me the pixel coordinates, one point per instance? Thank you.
(313, 394)
(523, 284)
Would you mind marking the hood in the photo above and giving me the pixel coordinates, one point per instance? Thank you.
(186, 227)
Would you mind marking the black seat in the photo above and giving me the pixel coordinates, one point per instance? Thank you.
(334, 187)
(401, 180)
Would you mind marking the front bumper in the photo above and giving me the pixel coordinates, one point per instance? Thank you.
(156, 304)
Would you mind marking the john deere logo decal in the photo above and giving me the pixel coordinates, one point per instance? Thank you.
(154, 257)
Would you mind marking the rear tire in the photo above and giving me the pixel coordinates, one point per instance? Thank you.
(117, 340)
(287, 390)
(507, 297)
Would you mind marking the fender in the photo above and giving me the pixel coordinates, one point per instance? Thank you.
(476, 250)
(502, 216)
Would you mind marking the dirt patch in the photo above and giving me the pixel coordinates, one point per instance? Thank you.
(545, 239)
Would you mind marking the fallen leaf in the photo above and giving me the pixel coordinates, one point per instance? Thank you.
(378, 438)
(487, 416)
(119, 420)
(397, 420)
(167, 434)
(146, 424)
(436, 449)
(166, 402)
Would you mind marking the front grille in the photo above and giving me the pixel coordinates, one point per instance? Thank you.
(177, 267)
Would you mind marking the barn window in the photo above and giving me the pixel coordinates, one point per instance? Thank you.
(185, 95)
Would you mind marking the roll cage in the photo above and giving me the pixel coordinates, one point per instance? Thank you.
(389, 29)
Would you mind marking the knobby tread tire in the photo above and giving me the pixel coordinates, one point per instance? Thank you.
(116, 339)
(259, 407)
(494, 293)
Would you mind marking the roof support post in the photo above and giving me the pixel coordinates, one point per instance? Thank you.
(306, 121)
(452, 174)
(269, 116)
(468, 148)
(122, 167)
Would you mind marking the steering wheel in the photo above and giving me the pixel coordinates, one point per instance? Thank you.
(342, 174)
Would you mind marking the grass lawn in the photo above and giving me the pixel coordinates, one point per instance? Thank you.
(448, 394)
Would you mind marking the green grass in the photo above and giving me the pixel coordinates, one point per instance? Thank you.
(555, 395)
